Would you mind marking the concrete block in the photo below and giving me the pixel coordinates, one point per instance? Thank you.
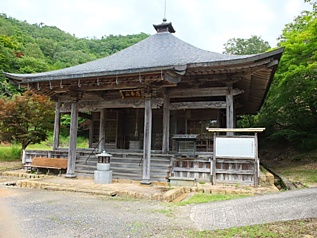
(103, 177)
(178, 181)
(103, 167)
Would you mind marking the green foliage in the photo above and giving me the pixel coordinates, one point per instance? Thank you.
(82, 142)
(28, 64)
(25, 119)
(290, 110)
(247, 121)
(10, 153)
(239, 46)
(294, 228)
(202, 198)
(26, 48)
(313, 3)
(7, 89)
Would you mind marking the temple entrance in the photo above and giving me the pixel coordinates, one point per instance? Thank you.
(114, 138)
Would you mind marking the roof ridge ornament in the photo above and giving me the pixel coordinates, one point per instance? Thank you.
(164, 27)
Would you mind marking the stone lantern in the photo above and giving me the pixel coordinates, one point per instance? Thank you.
(103, 174)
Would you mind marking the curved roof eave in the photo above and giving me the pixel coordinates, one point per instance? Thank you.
(161, 51)
(251, 58)
(24, 78)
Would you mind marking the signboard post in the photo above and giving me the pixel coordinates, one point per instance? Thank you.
(237, 148)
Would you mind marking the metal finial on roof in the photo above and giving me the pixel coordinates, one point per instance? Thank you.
(164, 19)
(164, 26)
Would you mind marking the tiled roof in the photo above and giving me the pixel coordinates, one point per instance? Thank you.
(160, 51)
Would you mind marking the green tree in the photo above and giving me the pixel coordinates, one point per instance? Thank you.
(8, 58)
(239, 46)
(27, 65)
(290, 110)
(33, 50)
(25, 119)
(313, 3)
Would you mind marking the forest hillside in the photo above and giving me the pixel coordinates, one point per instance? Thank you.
(33, 48)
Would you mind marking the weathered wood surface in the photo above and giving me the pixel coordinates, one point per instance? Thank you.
(102, 130)
(229, 109)
(128, 165)
(48, 163)
(198, 105)
(57, 125)
(57, 163)
(166, 124)
(235, 129)
(116, 103)
(72, 141)
(201, 92)
(231, 168)
(235, 171)
(191, 168)
(146, 178)
(30, 154)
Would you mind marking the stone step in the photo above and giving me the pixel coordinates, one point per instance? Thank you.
(136, 169)
(153, 158)
(122, 175)
(126, 167)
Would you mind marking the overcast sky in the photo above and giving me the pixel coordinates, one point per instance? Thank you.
(207, 24)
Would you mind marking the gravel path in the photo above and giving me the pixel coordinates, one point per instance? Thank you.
(282, 206)
(40, 213)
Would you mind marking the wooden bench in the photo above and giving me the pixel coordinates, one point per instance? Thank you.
(49, 163)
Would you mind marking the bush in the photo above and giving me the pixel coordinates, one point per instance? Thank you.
(10, 153)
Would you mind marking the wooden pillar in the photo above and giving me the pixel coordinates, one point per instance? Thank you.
(91, 131)
(188, 115)
(213, 163)
(57, 124)
(173, 127)
(166, 123)
(102, 130)
(147, 141)
(72, 142)
(256, 162)
(229, 109)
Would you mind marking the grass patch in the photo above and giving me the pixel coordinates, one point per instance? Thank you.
(297, 166)
(296, 228)
(13, 152)
(63, 143)
(167, 212)
(10, 153)
(263, 170)
(202, 198)
(301, 174)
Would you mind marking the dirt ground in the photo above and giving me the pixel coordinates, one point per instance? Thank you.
(299, 168)
(8, 225)
(10, 165)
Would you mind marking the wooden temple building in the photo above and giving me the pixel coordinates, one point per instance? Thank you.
(149, 105)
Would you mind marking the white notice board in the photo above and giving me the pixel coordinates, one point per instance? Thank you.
(235, 147)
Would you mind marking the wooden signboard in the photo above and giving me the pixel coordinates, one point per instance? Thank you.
(236, 147)
(131, 93)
